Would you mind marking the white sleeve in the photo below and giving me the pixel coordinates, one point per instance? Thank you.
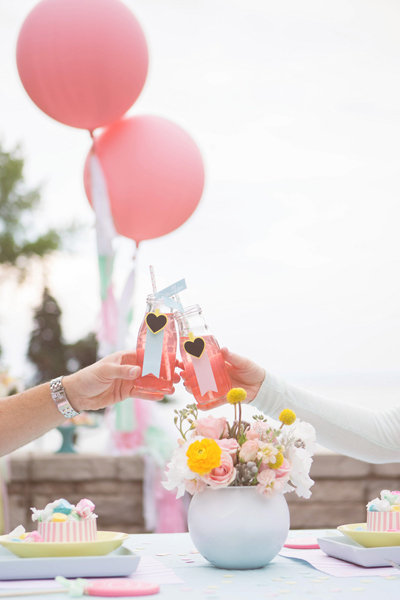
(362, 433)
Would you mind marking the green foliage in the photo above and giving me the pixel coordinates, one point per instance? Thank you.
(185, 417)
(48, 351)
(20, 237)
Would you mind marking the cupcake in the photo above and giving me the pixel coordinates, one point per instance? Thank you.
(383, 514)
(61, 521)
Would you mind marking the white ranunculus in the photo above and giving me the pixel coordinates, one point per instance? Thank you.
(177, 469)
(306, 433)
(299, 475)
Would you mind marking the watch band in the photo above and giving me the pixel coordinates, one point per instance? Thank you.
(59, 396)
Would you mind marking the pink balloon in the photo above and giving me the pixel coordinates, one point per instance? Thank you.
(83, 62)
(154, 174)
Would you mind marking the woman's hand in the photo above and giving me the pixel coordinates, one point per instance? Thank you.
(106, 382)
(243, 373)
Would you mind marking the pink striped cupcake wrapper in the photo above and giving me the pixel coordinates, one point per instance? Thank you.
(383, 521)
(69, 531)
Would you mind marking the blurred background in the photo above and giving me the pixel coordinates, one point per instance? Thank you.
(296, 109)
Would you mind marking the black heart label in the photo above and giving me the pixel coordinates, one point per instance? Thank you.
(156, 322)
(195, 347)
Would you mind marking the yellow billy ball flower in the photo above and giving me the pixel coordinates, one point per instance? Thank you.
(279, 458)
(203, 456)
(287, 416)
(236, 395)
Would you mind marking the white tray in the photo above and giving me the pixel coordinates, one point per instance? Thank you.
(120, 563)
(347, 549)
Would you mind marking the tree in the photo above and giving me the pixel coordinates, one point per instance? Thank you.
(47, 349)
(46, 346)
(20, 237)
(21, 240)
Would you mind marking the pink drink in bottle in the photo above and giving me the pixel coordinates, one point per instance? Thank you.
(205, 370)
(158, 321)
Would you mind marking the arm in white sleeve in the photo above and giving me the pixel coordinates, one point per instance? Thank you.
(362, 433)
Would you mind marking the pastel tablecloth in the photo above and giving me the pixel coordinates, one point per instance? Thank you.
(282, 578)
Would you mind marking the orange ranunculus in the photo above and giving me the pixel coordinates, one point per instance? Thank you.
(203, 456)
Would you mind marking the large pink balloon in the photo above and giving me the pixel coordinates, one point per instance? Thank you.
(154, 174)
(83, 62)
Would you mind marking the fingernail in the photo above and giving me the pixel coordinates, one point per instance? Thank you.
(134, 372)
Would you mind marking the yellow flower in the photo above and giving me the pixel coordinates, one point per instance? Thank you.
(203, 456)
(236, 395)
(287, 416)
(279, 458)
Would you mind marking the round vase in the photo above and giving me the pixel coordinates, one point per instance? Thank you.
(237, 527)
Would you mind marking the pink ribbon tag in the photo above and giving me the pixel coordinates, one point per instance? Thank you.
(204, 374)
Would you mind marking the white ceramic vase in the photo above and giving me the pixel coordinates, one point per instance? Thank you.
(237, 527)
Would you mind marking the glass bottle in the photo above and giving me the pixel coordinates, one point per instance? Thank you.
(149, 337)
(204, 365)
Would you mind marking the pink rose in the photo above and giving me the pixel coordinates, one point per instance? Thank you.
(284, 470)
(252, 434)
(194, 485)
(211, 427)
(248, 451)
(229, 444)
(223, 475)
(258, 431)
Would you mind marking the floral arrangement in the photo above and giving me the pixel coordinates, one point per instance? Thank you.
(212, 453)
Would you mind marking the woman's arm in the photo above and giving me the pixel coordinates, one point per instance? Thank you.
(359, 432)
(28, 415)
(372, 436)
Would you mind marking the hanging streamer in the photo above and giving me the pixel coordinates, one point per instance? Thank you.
(125, 306)
(105, 235)
(115, 316)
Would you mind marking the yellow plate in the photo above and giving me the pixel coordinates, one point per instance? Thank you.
(370, 539)
(106, 542)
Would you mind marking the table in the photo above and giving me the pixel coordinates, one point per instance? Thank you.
(281, 578)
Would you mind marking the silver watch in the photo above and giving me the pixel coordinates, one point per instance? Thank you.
(59, 396)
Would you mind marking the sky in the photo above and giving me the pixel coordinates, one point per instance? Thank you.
(296, 109)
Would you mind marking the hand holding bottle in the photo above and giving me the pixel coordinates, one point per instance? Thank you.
(203, 362)
(242, 371)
